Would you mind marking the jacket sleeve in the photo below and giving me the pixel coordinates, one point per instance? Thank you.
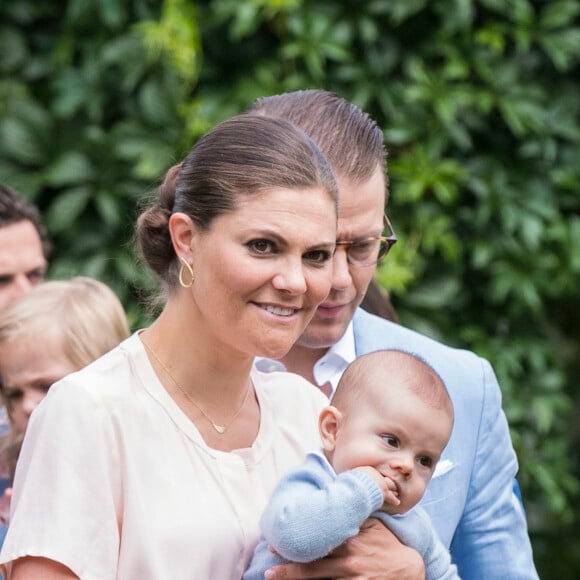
(311, 512)
(415, 530)
(492, 535)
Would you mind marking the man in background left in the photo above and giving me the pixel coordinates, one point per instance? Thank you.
(24, 247)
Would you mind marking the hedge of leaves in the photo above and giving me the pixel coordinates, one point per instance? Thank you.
(481, 114)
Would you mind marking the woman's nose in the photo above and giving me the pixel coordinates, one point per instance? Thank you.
(291, 277)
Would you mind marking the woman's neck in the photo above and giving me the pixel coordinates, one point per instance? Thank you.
(207, 369)
(207, 379)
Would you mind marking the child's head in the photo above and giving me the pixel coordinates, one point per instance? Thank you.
(57, 328)
(391, 411)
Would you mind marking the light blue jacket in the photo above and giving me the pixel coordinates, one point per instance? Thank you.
(471, 499)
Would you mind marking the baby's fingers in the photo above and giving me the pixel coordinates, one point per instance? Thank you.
(390, 492)
(391, 498)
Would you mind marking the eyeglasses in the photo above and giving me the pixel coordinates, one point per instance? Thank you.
(369, 251)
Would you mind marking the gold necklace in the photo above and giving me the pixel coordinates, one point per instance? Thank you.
(221, 429)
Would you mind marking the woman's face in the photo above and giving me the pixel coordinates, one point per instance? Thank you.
(261, 270)
(28, 367)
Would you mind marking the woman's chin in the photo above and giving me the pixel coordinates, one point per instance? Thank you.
(277, 351)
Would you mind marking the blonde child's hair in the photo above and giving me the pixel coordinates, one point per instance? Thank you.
(84, 315)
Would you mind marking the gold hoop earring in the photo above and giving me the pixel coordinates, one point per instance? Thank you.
(185, 266)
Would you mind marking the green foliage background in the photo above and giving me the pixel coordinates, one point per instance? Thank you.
(479, 104)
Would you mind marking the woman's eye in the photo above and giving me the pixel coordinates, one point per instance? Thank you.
(261, 246)
(318, 256)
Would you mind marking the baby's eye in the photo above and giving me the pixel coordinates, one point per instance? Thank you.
(318, 256)
(391, 440)
(261, 246)
(426, 461)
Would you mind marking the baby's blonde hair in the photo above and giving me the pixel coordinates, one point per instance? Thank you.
(371, 374)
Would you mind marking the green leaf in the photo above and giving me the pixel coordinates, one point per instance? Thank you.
(70, 168)
(13, 51)
(63, 212)
(563, 47)
(109, 208)
(559, 13)
(19, 141)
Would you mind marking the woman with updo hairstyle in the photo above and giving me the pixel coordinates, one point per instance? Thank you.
(157, 460)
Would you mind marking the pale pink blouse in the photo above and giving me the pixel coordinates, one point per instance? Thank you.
(114, 481)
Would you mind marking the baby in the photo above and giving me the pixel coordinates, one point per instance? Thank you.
(388, 424)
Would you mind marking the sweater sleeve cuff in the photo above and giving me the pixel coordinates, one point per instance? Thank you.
(371, 490)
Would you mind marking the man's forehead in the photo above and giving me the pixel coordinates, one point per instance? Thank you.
(20, 244)
(19, 229)
(371, 191)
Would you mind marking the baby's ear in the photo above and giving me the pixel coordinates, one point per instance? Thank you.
(328, 425)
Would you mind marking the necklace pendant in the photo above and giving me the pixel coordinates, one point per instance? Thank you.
(221, 430)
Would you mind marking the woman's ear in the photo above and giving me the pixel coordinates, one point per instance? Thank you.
(328, 425)
(182, 231)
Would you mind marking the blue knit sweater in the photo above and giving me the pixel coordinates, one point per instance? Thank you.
(313, 511)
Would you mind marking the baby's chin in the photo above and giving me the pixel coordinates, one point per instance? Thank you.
(395, 510)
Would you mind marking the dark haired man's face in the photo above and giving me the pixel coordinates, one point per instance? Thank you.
(22, 262)
(361, 208)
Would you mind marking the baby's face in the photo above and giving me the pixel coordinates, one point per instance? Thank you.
(401, 436)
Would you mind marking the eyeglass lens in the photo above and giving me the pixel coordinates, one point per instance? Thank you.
(368, 251)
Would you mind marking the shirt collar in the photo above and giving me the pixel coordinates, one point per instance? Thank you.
(328, 368)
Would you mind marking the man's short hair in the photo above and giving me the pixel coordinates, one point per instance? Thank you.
(14, 208)
(347, 136)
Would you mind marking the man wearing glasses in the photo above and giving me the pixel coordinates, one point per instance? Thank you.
(470, 498)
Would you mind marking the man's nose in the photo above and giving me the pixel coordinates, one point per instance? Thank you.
(341, 278)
